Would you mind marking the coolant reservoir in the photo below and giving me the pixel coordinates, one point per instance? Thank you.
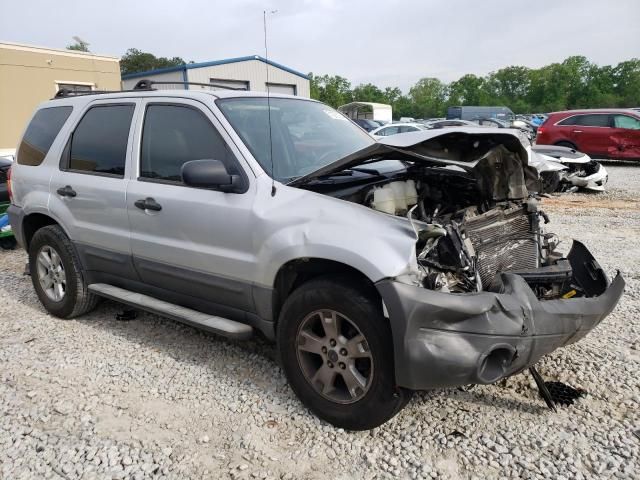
(411, 192)
(383, 200)
(399, 195)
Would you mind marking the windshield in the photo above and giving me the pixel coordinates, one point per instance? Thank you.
(306, 135)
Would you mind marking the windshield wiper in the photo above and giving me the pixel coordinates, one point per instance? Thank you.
(342, 173)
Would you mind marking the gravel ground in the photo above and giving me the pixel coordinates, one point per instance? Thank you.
(150, 398)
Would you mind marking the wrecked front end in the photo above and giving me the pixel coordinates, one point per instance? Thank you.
(488, 293)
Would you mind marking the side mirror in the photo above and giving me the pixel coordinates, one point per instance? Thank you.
(210, 174)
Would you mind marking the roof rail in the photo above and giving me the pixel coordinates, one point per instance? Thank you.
(65, 92)
(146, 84)
(141, 86)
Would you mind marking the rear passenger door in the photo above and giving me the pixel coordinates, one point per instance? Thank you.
(591, 132)
(197, 242)
(88, 191)
(626, 137)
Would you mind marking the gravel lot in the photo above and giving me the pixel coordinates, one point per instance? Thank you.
(150, 398)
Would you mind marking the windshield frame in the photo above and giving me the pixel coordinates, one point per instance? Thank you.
(368, 140)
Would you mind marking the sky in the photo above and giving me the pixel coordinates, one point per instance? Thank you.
(385, 42)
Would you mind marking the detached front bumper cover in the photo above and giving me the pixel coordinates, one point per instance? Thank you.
(443, 340)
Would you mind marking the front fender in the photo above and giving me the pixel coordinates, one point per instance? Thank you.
(311, 225)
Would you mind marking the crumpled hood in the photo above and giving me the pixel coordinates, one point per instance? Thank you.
(495, 156)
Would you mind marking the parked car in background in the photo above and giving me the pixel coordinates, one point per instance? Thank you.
(474, 113)
(395, 128)
(600, 133)
(450, 123)
(5, 165)
(368, 125)
(579, 170)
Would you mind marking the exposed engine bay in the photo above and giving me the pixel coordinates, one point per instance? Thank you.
(471, 223)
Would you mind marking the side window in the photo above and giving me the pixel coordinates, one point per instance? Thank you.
(592, 120)
(41, 133)
(625, 121)
(175, 134)
(390, 131)
(569, 120)
(99, 142)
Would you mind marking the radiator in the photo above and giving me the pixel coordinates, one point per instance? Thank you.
(502, 240)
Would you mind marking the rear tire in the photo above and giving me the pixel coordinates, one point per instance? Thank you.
(56, 274)
(360, 392)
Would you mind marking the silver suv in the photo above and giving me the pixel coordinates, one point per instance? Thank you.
(380, 268)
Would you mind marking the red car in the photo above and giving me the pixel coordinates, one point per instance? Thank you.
(601, 133)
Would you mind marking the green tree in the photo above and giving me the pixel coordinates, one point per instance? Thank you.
(428, 96)
(368, 93)
(468, 90)
(78, 45)
(626, 81)
(332, 90)
(509, 86)
(134, 61)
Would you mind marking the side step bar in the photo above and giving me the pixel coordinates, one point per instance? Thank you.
(218, 325)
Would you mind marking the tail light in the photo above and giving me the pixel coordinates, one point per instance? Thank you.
(540, 130)
(9, 189)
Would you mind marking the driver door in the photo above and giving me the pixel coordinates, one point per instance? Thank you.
(189, 241)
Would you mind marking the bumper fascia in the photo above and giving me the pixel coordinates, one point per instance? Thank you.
(444, 340)
(16, 217)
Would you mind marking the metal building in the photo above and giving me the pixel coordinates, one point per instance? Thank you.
(245, 73)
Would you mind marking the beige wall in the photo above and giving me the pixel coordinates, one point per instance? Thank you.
(28, 76)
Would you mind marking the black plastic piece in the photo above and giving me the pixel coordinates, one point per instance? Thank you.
(557, 273)
(563, 394)
(127, 315)
(542, 388)
(66, 191)
(147, 84)
(587, 272)
(211, 174)
(148, 204)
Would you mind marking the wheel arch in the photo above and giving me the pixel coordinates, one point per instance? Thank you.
(295, 273)
(34, 222)
(564, 143)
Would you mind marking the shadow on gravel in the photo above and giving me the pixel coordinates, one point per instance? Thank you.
(179, 341)
(479, 398)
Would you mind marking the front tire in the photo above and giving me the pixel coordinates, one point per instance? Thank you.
(337, 354)
(56, 274)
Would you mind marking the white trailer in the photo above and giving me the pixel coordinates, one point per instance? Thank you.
(367, 111)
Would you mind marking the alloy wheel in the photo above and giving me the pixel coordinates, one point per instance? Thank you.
(334, 356)
(51, 274)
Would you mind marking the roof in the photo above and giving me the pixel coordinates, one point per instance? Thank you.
(189, 66)
(594, 110)
(55, 51)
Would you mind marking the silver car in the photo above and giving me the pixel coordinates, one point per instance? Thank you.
(380, 268)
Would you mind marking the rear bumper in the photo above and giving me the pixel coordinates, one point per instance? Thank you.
(443, 340)
(16, 216)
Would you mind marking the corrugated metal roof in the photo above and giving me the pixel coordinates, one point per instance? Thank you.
(189, 66)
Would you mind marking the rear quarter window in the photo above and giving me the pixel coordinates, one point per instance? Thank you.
(41, 133)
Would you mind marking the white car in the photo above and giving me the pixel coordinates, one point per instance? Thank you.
(395, 128)
(564, 169)
(580, 170)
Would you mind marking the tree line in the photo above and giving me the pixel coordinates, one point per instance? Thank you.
(574, 83)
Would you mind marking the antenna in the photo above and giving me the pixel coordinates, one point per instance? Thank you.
(266, 66)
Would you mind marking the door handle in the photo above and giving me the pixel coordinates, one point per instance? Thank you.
(577, 131)
(66, 191)
(148, 204)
